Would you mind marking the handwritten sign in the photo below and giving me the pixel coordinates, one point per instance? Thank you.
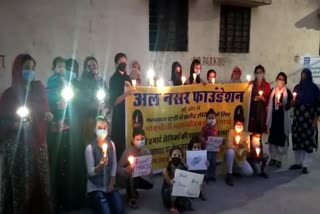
(142, 166)
(196, 160)
(187, 184)
(214, 144)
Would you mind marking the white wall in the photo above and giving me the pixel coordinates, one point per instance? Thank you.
(102, 28)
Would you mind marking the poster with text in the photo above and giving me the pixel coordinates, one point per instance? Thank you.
(187, 184)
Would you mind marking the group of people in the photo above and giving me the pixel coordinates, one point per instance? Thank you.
(63, 153)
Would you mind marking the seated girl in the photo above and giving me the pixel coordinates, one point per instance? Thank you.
(175, 203)
(125, 169)
(238, 147)
(101, 168)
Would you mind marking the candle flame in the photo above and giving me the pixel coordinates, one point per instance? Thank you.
(131, 159)
(237, 139)
(104, 149)
(248, 77)
(294, 94)
(260, 93)
(258, 150)
(183, 79)
(213, 80)
(134, 83)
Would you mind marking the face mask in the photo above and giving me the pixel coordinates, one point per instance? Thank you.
(259, 76)
(239, 129)
(280, 83)
(28, 75)
(211, 122)
(69, 75)
(197, 72)
(176, 161)
(122, 66)
(139, 144)
(102, 133)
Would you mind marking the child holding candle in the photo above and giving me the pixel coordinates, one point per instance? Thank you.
(126, 167)
(238, 146)
(278, 120)
(211, 76)
(210, 130)
(196, 145)
(173, 202)
(101, 169)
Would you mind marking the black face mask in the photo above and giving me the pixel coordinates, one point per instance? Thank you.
(176, 161)
(122, 67)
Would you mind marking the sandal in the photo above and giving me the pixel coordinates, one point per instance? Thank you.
(174, 211)
(133, 204)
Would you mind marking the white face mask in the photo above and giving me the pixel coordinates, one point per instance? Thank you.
(259, 76)
(280, 83)
(238, 129)
(196, 71)
(102, 133)
(139, 144)
(211, 122)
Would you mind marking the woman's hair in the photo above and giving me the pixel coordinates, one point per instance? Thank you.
(73, 65)
(194, 139)
(283, 75)
(194, 63)
(137, 114)
(176, 77)
(118, 56)
(138, 131)
(259, 67)
(135, 62)
(238, 114)
(211, 71)
(18, 66)
(87, 59)
(102, 118)
(211, 111)
(57, 60)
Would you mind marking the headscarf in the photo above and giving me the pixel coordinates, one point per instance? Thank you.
(307, 92)
(135, 73)
(175, 76)
(236, 68)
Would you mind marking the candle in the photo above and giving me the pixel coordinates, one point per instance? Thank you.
(194, 77)
(134, 83)
(260, 93)
(183, 79)
(131, 160)
(67, 93)
(23, 111)
(213, 80)
(248, 77)
(101, 94)
(104, 149)
(294, 95)
(237, 139)
(258, 150)
(160, 83)
(278, 97)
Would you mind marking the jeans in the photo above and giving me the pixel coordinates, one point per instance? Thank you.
(244, 166)
(106, 203)
(211, 172)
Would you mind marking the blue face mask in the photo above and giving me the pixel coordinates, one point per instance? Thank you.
(28, 75)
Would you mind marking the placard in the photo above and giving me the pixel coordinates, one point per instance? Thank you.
(187, 184)
(142, 166)
(196, 160)
(214, 144)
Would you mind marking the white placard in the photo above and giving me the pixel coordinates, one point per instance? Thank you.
(142, 166)
(214, 144)
(186, 184)
(196, 160)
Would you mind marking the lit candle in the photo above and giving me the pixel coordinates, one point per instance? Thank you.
(134, 83)
(248, 77)
(260, 93)
(101, 94)
(23, 111)
(194, 77)
(67, 93)
(278, 97)
(294, 95)
(237, 139)
(131, 160)
(258, 150)
(183, 79)
(160, 83)
(213, 80)
(104, 149)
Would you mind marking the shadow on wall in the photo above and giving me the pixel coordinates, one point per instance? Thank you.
(311, 21)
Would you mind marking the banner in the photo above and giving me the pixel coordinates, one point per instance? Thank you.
(142, 166)
(171, 116)
(187, 184)
(197, 160)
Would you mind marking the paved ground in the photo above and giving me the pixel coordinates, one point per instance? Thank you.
(285, 192)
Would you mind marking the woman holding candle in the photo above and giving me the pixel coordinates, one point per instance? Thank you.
(259, 100)
(211, 76)
(278, 120)
(175, 203)
(210, 130)
(176, 74)
(101, 164)
(238, 146)
(195, 70)
(126, 167)
(25, 175)
(305, 117)
(236, 75)
(135, 71)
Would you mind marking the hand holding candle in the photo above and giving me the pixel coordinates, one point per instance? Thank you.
(260, 93)
(183, 80)
(237, 139)
(104, 149)
(258, 150)
(278, 97)
(134, 83)
(194, 75)
(131, 160)
(213, 80)
(294, 95)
